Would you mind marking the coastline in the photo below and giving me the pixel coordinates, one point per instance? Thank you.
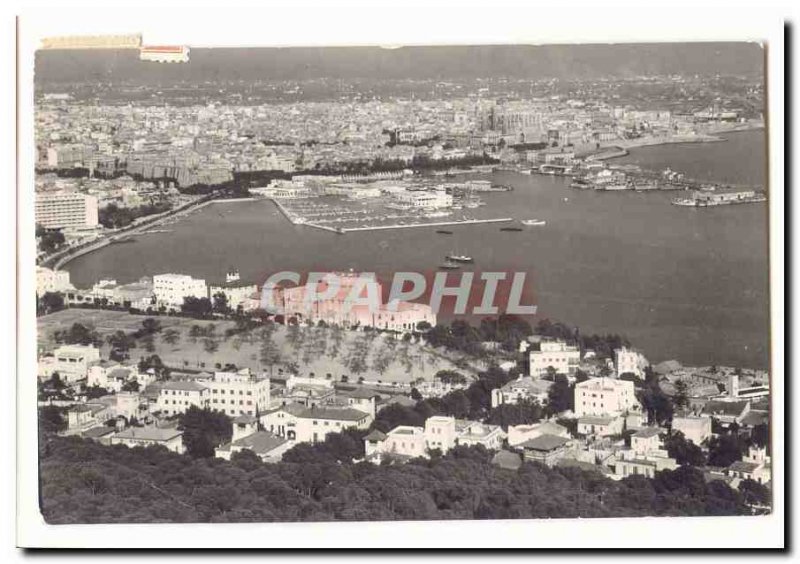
(713, 135)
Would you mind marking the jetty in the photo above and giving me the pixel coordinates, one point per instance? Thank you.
(436, 224)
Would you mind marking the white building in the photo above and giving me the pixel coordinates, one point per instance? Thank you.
(72, 362)
(57, 210)
(176, 396)
(341, 310)
(645, 457)
(694, 428)
(48, 280)
(171, 289)
(756, 465)
(235, 293)
(238, 393)
(170, 438)
(605, 397)
(629, 361)
(518, 434)
(246, 436)
(523, 388)
(113, 376)
(427, 199)
(440, 433)
(563, 357)
(299, 424)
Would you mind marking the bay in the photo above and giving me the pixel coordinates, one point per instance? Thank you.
(680, 283)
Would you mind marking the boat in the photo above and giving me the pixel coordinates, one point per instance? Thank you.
(444, 232)
(120, 240)
(510, 229)
(534, 222)
(459, 258)
(449, 265)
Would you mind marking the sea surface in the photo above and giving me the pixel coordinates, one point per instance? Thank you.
(680, 283)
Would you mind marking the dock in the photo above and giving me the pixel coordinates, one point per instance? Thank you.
(434, 224)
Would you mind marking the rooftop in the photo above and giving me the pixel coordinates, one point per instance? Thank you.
(745, 467)
(647, 432)
(182, 385)
(732, 408)
(544, 443)
(156, 434)
(260, 442)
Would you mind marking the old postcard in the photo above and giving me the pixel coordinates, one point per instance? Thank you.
(408, 283)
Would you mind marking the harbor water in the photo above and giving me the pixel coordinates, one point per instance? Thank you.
(678, 282)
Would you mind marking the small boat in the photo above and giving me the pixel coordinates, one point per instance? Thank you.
(444, 232)
(459, 258)
(510, 229)
(122, 240)
(449, 265)
(534, 222)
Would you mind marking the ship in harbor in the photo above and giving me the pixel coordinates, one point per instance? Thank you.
(459, 258)
(704, 199)
(449, 265)
(164, 53)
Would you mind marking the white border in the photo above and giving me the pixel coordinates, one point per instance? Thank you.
(411, 22)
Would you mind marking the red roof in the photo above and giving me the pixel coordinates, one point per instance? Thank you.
(163, 49)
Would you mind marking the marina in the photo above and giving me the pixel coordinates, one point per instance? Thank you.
(564, 257)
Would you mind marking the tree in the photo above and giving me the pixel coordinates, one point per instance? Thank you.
(760, 436)
(683, 451)
(130, 386)
(210, 345)
(51, 419)
(150, 326)
(199, 308)
(171, 336)
(79, 334)
(524, 412)
(154, 361)
(220, 303)
(204, 430)
(680, 399)
(195, 332)
(755, 493)
(450, 377)
(49, 240)
(560, 395)
(94, 392)
(724, 450)
(50, 302)
(270, 353)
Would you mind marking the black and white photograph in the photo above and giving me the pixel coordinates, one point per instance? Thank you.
(390, 283)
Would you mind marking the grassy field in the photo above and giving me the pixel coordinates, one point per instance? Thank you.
(320, 351)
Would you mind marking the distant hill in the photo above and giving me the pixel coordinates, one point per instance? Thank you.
(566, 62)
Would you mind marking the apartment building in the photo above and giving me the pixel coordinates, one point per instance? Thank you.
(171, 289)
(176, 396)
(629, 361)
(238, 393)
(559, 355)
(605, 397)
(66, 210)
(302, 424)
(72, 362)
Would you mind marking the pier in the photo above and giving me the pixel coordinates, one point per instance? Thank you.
(434, 224)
